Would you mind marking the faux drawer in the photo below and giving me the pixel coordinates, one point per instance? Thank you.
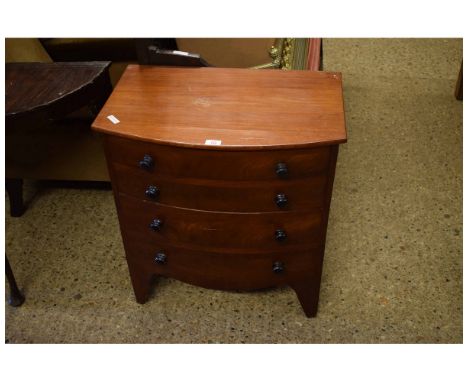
(224, 271)
(232, 232)
(180, 162)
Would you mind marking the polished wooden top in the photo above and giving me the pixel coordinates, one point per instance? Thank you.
(242, 108)
(35, 85)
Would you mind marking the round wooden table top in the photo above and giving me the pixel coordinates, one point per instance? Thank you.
(40, 92)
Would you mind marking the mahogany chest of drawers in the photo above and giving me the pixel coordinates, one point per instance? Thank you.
(223, 177)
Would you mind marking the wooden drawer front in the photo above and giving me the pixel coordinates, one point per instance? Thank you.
(210, 195)
(226, 270)
(220, 231)
(182, 162)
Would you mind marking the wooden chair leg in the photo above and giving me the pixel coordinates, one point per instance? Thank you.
(14, 188)
(16, 297)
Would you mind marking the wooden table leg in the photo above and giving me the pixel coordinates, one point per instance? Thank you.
(16, 297)
(459, 87)
(14, 188)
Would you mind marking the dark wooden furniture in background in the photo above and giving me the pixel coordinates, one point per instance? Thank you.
(155, 52)
(38, 94)
(16, 297)
(286, 53)
(459, 87)
(223, 177)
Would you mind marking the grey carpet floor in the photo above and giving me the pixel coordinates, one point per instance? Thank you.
(393, 263)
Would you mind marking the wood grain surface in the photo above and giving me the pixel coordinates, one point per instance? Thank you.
(50, 90)
(241, 108)
(218, 231)
(210, 195)
(219, 165)
(221, 270)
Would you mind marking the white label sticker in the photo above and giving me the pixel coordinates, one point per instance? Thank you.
(212, 142)
(113, 119)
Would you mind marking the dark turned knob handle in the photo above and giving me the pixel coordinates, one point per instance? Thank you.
(152, 192)
(281, 200)
(156, 224)
(280, 235)
(146, 163)
(278, 267)
(160, 258)
(282, 170)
